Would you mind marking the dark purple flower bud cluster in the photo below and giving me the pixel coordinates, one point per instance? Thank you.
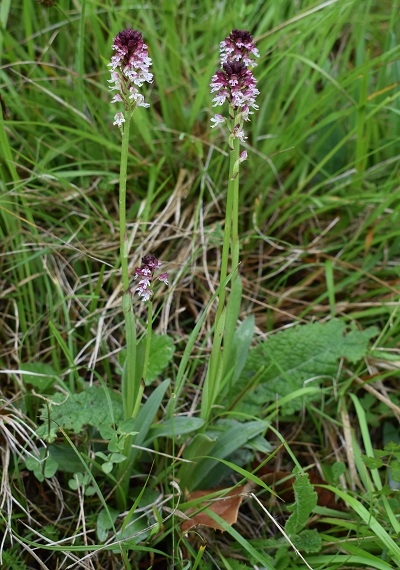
(235, 82)
(129, 70)
(146, 276)
(239, 46)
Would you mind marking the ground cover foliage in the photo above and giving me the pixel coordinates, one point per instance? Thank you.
(297, 460)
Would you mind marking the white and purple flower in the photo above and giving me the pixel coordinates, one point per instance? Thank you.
(239, 46)
(234, 82)
(129, 70)
(146, 276)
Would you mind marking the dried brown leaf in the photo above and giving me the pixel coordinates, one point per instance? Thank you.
(227, 507)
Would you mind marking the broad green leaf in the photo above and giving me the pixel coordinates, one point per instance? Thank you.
(65, 457)
(308, 540)
(104, 523)
(259, 443)
(233, 436)
(173, 427)
(135, 532)
(43, 467)
(146, 415)
(90, 407)
(302, 356)
(241, 342)
(200, 446)
(161, 352)
(127, 427)
(41, 376)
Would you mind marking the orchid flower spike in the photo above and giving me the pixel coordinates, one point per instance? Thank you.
(129, 70)
(234, 82)
(146, 276)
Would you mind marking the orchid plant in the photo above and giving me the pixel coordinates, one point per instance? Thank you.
(129, 72)
(235, 84)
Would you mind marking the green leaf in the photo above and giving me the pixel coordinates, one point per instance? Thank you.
(305, 501)
(90, 407)
(102, 455)
(79, 480)
(147, 414)
(302, 356)
(200, 446)
(73, 484)
(385, 539)
(127, 427)
(259, 443)
(338, 469)
(107, 467)
(392, 447)
(107, 432)
(41, 376)
(137, 531)
(380, 453)
(117, 457)
(43, 467)
(395, 471)
(115, 445)
(175, 426)
(65, 457)
(104, 523)
(233, 436)
(241, 342)
(161, 352)
(372, 462)
(308, 540)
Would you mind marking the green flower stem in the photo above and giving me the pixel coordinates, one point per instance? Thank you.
(123, 241)
(140, 390)
(233, 188)
(231, 234)
(148, 338)
(129, 388)
(214, 379)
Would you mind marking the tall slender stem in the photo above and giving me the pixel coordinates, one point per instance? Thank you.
(129, 389)
(230, 245)
(231, 236)
(148, 338)
(233, 188)
(123, 243)
(142, 380)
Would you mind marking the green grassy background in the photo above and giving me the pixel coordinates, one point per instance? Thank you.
(320, 193)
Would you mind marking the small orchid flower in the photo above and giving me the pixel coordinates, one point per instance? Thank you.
(146, 274)
(119, 119)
